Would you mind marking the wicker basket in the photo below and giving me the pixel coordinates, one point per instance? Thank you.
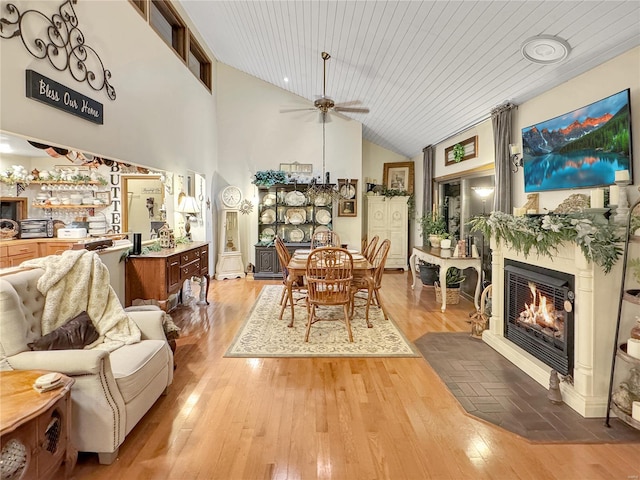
(8, 229)
(453, 294)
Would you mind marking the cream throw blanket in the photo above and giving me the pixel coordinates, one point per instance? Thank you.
(75, 281)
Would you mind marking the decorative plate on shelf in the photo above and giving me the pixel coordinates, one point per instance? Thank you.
(296, 216)
(296, 235)
(269, 199)
(321, 228)
(348, 191)
(322, 200)
(267, 234)
(323, 217)
(268, 216)
(295, 199)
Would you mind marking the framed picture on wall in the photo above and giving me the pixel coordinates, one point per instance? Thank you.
(463, 150)
(348, 202)
(105, 197)
(398, 176)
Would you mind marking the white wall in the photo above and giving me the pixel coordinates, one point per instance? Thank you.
(254, 136)
(163, 117)
(373, 159)
(611, 77)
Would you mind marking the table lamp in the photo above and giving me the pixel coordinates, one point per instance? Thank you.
(189, 207)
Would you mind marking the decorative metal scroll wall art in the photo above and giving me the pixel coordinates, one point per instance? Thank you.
(59, 40)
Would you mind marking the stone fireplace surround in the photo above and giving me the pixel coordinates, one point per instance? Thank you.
(596, 308)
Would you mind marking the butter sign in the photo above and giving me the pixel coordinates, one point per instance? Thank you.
(55, 94)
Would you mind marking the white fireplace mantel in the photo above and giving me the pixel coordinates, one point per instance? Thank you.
(596, 307)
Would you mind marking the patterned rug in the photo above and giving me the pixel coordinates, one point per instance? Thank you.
(264, 335)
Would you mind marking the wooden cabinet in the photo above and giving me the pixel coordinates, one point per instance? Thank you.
(159, 275)
(389, 218)
(35, 427)
(14, 252)
(54, 247)
(18, 253)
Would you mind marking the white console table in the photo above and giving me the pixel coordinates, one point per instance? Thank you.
(444, 259)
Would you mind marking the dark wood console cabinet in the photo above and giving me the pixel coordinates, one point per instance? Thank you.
(158, 275)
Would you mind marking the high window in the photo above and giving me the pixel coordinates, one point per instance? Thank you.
(166, 21)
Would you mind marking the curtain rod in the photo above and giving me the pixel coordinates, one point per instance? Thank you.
(473, 124)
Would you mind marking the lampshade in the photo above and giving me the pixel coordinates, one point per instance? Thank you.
(188, 204)
(483, 192)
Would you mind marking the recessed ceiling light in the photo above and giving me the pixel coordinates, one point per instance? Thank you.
(545, 49)
(286, 79)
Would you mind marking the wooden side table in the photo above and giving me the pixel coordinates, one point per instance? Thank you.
(35, 427)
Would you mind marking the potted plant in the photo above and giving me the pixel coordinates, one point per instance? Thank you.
(429, 272)
(445, 242)
(454, 278)
(432, 226)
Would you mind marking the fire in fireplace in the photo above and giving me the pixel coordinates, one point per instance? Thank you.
(539, 313)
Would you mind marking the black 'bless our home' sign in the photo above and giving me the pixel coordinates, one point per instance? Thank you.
(52, 93)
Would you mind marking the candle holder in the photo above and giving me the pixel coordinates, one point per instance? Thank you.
(622, 209)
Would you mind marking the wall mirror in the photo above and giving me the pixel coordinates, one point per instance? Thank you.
(143, 209)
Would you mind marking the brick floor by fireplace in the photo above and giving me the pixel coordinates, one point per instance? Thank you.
(492, 388)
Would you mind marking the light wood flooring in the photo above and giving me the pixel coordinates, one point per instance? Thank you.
(330, 418)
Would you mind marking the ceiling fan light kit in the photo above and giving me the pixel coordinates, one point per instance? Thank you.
(545, 49)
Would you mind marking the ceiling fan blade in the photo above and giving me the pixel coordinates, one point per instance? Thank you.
(339, 115)
(298, 109)
(348, 104)
(352, 110)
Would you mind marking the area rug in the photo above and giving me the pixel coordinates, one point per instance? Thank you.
(490, 387)
(264, 335)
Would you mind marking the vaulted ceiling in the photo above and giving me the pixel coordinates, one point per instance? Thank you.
(426, 70)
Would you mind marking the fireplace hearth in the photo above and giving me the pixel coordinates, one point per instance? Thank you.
(539, 313)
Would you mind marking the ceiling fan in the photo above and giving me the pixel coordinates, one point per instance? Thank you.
(325, 105)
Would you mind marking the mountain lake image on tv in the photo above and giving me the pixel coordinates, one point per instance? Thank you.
(582, 148)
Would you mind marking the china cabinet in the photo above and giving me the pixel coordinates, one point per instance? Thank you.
(389, 218)
(624, 386)
(289, 211)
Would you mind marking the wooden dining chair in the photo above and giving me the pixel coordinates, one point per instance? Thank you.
(329, 275)
(370, 249)
(372, 282)
(327, 238)
(298, 283)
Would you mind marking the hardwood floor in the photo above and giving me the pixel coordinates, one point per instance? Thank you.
(331, 418)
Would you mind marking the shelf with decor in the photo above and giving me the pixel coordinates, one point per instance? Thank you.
(624, 384)
(293, 213)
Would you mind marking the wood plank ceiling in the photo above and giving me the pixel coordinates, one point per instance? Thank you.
(426, 70)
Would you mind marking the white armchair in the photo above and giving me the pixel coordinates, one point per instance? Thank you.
(112, 390)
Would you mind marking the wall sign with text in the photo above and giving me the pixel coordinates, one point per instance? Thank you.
(56, 95)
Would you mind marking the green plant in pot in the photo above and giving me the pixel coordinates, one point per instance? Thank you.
(454, 277)
(433, 227)
(429, 272)
(445, 242)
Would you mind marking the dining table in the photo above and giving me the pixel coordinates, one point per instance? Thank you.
(297, 267)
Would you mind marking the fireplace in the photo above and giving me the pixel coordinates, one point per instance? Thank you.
(538, 313)
(593, 324)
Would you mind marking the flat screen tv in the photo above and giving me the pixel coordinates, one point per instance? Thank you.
(580, 149)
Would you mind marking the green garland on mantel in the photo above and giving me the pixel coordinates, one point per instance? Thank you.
(599, 242)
